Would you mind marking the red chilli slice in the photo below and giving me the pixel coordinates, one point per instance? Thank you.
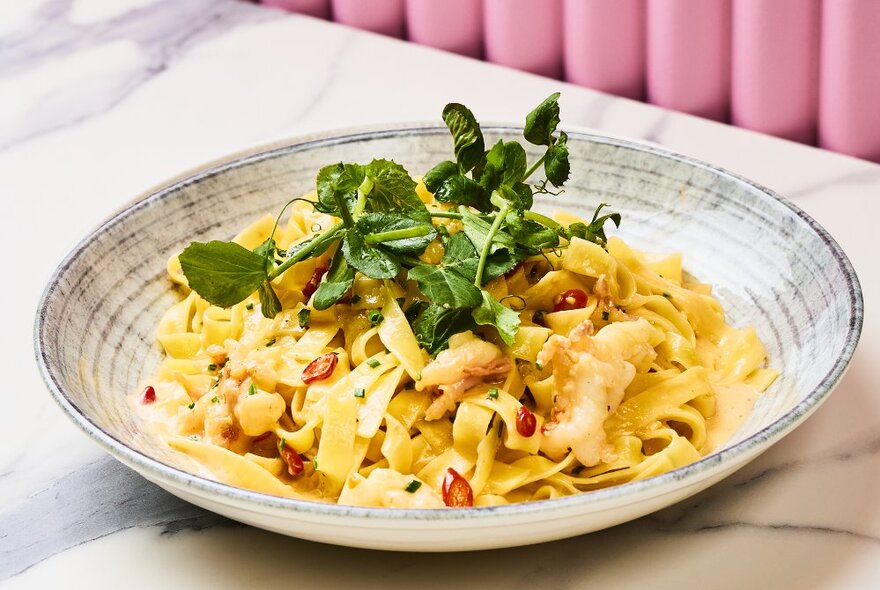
(457, 492)
(293, 459)
(320, 368)
(571, 299)
(312, 285)
(149, 395)
(526, 423)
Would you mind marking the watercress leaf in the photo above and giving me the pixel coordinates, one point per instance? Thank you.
(439, 173)
(492, 313)
(501, 263)
(556, 164)
(373, 224)
(519, 195)
(508, 159)
(335, 284)
(542, 122)
(477, 230)
(338, 182)
(266, 250)
(374, 262)
(394, 191)
(530, 234)
(222, 273)
(436, 324)
(461, 256)
(270, 305)
(414, 309)
(469, 144)
(461, 190)
(445, 286)
(322, 247)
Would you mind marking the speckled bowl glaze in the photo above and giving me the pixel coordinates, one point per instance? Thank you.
(772, 267)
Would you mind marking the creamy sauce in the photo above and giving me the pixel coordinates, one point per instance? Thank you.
(733, 403)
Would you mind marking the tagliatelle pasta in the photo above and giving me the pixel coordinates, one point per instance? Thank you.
(623, 367)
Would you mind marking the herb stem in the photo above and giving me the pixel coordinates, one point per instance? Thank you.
(397, 234)
(534, 167)
(543, 219)
(363, 190)
(446, 214)
(328, 236)
(487, 246)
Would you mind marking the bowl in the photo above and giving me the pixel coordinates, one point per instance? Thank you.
(772, 266)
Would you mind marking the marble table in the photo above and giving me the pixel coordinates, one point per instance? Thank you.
(100, 100)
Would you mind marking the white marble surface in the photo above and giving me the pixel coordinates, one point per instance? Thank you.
(102, 99)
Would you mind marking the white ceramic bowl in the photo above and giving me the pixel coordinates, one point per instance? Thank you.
(773, 267)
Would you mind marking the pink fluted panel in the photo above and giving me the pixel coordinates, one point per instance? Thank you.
(688, 65)
(318, 8)
(453, 25)
(775, 67)
(849, 98)
(525, 34)
(605, 45)
(380, 16)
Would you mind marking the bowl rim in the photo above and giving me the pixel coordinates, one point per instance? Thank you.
(620, 495)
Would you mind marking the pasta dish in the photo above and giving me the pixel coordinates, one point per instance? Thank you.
(434, 342)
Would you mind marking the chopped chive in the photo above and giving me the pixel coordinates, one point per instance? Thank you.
(281, 444)
(249, 306)
(315, 464)
(375, 316)
(192, 405)
(212, 367)
(412, 486)
(194, 437)
(577, 470)
(539, 365)
(252, 390)
(355, 298)
(359, 392)
(215, 400)
(667, 295)
(493, 393)
(605, 315)
(271, 342)
(373, 363)
(304, 316)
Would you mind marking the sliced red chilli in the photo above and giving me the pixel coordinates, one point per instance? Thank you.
(526, 423)
(457, 492)
(571, 299)
(320, 368)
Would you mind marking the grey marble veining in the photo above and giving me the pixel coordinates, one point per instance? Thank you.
(92, 113)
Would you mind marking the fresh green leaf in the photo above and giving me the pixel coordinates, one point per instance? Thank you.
(373, 363)
(461, 190)
(505, 164)
(222, 273)
(304, 316)
(436, 324)
(556, 165)
(338, 182)
(437, 175)
(373, 261)
(267, 251)
(531, 234)
(372, 225)
(492, 313)
(595, 231)
(413, 486)
(394, 191)
(519, 195)
(446, 287)
(414, 309)
(460, 256)
(270, 305)
(469, 144)
(335, 284)
(477, 230)
(542, 122)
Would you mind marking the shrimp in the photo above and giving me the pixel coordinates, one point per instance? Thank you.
(591, 374)
(466, 363)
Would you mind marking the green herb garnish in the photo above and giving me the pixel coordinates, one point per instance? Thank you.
(355, 299)
(412, 486)
(359, 392)
(375, 316)
(373, 363)
(304, 316)
(212, 367)
(249, 306)
(384, 227)
(191, 406)
(493, 393)
(252, 390)
(215, 400)
(605, 315)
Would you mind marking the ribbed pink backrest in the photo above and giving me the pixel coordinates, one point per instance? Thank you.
(807, 70)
